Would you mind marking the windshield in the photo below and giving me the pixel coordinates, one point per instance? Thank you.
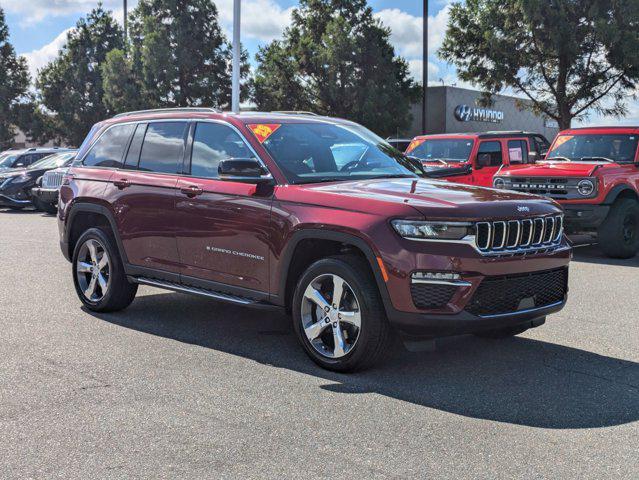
(322, 152)
(52, 161)
(449, 150)
(6, 160)
(619, 148)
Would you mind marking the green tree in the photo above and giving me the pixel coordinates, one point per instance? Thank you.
(71, 87)
(569, 57)
(14, 83)
(336, 59)
(178, 56)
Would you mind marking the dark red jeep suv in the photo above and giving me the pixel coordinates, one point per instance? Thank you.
(315, 215)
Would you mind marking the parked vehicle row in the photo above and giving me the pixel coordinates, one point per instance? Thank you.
(592, 172)
(23, 186)
(314, 215)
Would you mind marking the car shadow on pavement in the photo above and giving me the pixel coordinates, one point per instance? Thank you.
(519, 380)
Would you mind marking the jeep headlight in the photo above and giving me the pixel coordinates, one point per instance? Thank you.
(499, 183)
(586, 187)
(421, 230)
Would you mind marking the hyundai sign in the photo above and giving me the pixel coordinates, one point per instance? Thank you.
(464, 113)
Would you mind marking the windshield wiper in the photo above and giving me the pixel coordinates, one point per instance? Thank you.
(597, 159)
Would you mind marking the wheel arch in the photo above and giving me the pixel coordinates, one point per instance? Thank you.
(296, 258)
(85, 215)
(620, 191)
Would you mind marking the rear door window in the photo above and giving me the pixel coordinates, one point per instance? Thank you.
(108, 150)
(494, 150)
(212, 143)
(517, 151)
(163, 147)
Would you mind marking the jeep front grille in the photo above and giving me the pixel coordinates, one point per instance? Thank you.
(519, 236)
(52, 180)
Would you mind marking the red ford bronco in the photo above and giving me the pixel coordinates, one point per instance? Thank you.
(474, 158)
(314, 215)
(594, 174)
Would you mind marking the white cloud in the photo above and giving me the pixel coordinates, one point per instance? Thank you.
(34, 11)
(40, 57)
(263, 20)
(415, 68)
(407, 31)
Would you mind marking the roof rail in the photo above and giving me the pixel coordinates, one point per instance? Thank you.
(169, 110)
(295, 112)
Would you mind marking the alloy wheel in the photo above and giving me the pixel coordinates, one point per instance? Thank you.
(331, 316)
(93, 270)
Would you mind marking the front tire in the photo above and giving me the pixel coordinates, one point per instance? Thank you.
(619, 234)
(44, 206)
(98, 273)
(338, 314)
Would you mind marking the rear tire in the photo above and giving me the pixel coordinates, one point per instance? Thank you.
(98, 273)
(619, 233)
(329, 335)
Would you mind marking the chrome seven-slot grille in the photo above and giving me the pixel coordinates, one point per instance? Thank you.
(519, 236)
(52, 179)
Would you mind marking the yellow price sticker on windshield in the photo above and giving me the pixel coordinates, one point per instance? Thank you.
(414, 144)
(264, 130)
(561, 140)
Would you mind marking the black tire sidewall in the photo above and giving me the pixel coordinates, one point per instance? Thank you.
(611, 232)
(117, 275)
(372, 313)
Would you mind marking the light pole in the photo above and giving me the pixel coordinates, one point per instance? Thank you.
(425, 70)
(125, 23)
(235, 95)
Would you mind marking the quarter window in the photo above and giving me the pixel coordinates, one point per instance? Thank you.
(212, 143)
(109, 148)
(494, 150)
(163, 147)
(517, 151)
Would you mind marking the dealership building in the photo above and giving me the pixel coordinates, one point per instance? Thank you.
(458, 110)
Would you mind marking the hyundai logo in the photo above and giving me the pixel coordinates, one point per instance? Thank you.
(463, 113)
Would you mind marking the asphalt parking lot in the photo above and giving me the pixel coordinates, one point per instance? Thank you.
(182, 387)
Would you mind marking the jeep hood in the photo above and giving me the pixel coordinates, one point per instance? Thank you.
(430, 198)
(553, 169)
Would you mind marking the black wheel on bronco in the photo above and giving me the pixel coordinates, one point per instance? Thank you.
(619, 233)
(44, 206)
(339, 316)
(98, 273)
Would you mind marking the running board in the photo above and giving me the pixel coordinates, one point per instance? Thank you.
(224, 297)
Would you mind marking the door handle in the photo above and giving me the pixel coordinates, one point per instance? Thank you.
(191, 191)
(122, 183)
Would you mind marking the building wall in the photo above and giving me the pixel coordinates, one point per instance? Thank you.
(443, 100)
(21, 141)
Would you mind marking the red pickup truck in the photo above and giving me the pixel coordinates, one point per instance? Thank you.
(594, 174)
(474, 158)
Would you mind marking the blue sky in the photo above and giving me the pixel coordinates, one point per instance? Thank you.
(38, 29)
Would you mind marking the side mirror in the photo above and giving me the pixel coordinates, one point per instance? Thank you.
(483, 160)
(243, 170)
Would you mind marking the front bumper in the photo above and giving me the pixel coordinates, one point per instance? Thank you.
(580, 218)
(7, 201)
(430, 325)
(47, 195)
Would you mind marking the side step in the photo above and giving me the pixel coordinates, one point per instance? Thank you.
(224, 297)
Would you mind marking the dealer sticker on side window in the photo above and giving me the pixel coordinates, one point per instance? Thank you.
(263, 130)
